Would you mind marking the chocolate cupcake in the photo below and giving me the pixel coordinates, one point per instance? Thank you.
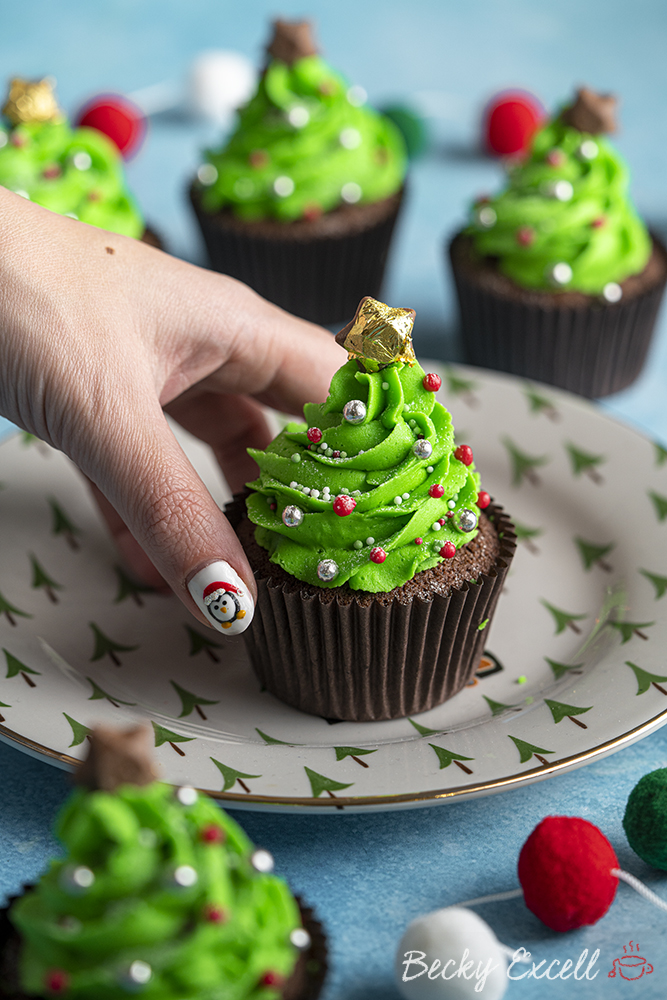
(76, 172)
(302, 201)
(159, 890)
(558, 279)
(378, 560)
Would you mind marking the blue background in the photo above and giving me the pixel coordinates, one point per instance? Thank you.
(368, 876)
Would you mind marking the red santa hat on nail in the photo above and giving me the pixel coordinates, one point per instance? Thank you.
(217, 589)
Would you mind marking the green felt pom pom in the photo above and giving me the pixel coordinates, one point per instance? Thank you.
(645, 820)
(412, 127)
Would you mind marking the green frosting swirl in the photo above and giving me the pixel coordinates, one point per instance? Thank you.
(378, 469)
(76, 172)
(594, 228)
(303, 146)
(133, 840)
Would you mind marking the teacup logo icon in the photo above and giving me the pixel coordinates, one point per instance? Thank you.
(630, 965)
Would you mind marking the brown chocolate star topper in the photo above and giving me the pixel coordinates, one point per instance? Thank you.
(591, 112)
(379, 335)
(117, 757)
(292, 40)
(32, 101)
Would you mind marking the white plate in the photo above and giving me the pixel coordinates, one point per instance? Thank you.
(593, 529)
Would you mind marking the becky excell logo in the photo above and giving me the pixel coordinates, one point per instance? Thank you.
(416, 963)
(630, 965)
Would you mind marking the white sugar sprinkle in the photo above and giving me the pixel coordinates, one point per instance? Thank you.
(358, 544)
(406, 496)
(370, 541)
(451, 504)
(429, 469)
(315, 494)
(436, 526)
(398, 500)
(385, 386)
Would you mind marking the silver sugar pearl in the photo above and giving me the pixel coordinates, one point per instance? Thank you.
(300, 938)
(262, 861)
(187, 795)
(612, 292)
(327, 570)
(467, 520)
(185, 876)
(138, 974)
(354, 411)
(422, 448)
(292, 516)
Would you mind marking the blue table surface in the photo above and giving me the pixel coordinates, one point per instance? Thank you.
(369, 875)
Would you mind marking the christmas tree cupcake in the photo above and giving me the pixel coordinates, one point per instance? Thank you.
(72, 171)
(302, 201)
(379, 559)
(159, 894)
(557, 277)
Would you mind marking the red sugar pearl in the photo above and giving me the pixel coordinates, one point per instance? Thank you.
(599, 222)
(258, 159)
(314, 435)
(441, 522)
(448, 550)
(419, 541)
(431, 382)
(555, 158)
(56, 981)
(272, 979)
(51, 172)
(215, 915)
(525, 236)
(312, 212)
(436, 491)
(377, 555)
(18, 140)
(344, 505)
(213, 834)
(464, 454)
(483, 500)
(336, 454)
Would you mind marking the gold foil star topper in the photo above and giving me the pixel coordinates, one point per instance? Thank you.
(591, 112)
(379, 335)
(32, 101)
(117, 757)
(291, 41)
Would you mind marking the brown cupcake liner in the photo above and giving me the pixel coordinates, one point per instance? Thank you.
(368, 661)
(152, 238)
(321, 279)
(305, 983)
(593, 350)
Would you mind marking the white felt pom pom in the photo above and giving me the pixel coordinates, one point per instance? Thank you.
(219, 83)
(444, 937)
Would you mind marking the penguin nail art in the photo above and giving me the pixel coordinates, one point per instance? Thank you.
(222, 596)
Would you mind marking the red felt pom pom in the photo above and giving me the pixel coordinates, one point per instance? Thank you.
(314, 435)
(119, 119)
(448, 550)
(344, 505)
(510, 121)
(56, 981)
(436, 491)
(565, 872)
(464, 454)
(377, 555)
(431, 382)
(483, 500)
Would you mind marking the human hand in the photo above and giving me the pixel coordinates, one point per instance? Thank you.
(101, 335)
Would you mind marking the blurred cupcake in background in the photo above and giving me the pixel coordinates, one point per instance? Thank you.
(76, 172)
(302, 201)
(558, 278)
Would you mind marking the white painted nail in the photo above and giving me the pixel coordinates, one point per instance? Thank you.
(222, 597)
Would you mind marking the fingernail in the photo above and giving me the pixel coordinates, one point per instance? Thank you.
(222, 597)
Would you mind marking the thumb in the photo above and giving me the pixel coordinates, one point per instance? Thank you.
(145, 475)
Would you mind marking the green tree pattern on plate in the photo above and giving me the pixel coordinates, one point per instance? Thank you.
(40, 578)
(446, 757)
(563, 619)
(163, 735)
(15, 667)
(104, 646)
(199, 642)
(3, 704)
(628, 629)
(231, 776)
(594, 555)
(61, 524)
(497, 707)
(273, 742)
(562, 668)
(526, 535)
(645, 679)
(660, 454)
(526, 750)
(320, 783)
(79, 731)
(457, 385)
(586, 462)
(424, 730)
(539, 403)
(99, 694)
(354, 752)
(127, 587)
(659, 504)
(190, 701)
(523, 464)
(10, 610)
(659, 582)
(561, 711)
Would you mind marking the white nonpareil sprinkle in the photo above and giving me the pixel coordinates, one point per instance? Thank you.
(398, 500)
(329, 452)
(350, 138)
(351, 192)
(187, 795)
(293, 485)
(207, 174)
(296, 457)
(370, 541)
(406, 496)
(612, 292)
(385, 386)
(436, 526)
(306, 490)
(588, 149)
(451, 504)
(283, 186)
(314, 494)
(82, 160)
(140, 972)
(357, 96)
(429, 469)
(323, 446)
(185, 876)
(358, 544)
(298, 116)
(343, 454)
(487, 217)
